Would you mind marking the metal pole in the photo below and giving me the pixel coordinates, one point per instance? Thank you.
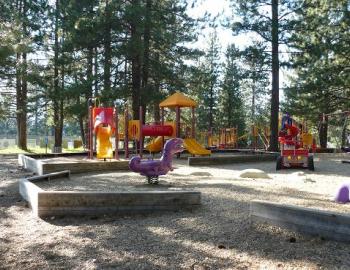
(126, 132)
(116, 134)
(141, 135)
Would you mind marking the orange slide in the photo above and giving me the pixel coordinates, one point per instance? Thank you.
(195, 148)
(155, 145)
(103, 142)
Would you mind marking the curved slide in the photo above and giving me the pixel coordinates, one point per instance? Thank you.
(155, 145)
(191, 145)
(195, 148)
(103, 143)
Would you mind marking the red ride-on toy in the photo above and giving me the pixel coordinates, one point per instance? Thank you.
(293, 153)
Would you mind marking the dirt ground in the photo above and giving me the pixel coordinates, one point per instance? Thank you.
(217, 235)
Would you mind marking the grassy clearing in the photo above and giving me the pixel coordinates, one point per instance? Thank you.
(36, 150)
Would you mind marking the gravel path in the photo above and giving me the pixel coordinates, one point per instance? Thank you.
(215, 236)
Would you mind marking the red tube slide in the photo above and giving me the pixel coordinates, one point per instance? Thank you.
(157, 130)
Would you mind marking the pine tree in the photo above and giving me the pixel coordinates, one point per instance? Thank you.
(231, 105)
(208, 82)
(271, 21)
(320, 83)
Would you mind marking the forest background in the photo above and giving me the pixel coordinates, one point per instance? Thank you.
(56, 54)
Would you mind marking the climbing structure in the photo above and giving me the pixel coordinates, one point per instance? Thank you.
(178, 101)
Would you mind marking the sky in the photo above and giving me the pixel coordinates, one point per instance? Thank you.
(223, 9)
(215, 7)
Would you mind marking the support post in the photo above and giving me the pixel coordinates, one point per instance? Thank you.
(141, 135)
(91, 128)
(126, 132)
(162, 122)
(178, 133)
(116, 134)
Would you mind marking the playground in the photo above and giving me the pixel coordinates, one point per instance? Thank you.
(150, 196)
(218, 234)
(175, 201)
(174, 134)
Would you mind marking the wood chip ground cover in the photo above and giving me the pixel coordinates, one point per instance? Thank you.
(217, 235)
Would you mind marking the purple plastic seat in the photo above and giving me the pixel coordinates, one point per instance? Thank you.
(342, 195)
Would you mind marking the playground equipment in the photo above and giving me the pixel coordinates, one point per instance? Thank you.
(178, 101)
(156, 144)
(294, 152)
(342, 195)
(228, 137)
(262, 133)
(102, 123)
(152, 169)
(139, 131)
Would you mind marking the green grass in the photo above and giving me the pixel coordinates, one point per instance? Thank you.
(36, 150)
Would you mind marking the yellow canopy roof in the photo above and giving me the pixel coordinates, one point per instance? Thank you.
(178, 99)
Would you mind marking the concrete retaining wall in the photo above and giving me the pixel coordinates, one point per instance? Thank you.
(198, 161)
(40, 167)
(72, 203)
(30, 164)
(329, 225)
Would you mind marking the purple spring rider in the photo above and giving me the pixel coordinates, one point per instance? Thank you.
(343, 195)
(153, 168)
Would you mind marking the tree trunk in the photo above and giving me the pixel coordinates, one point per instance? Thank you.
(211, 105)
(146, 49)
(156, 112)
(253, 93)
(96, 73)
(88, 92)
(323, 133)
(23, 123)
(82, 130)
(18, 96)
(61, 107)
(275, 79)
(253, 103)
(21, 84)
(136, 63)
(344, 131)
(56, 94)
(107, 54)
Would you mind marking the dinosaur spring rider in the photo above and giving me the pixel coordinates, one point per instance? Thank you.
(153, 168)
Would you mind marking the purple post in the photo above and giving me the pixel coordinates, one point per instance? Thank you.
(91, 141)
(162, 121)
(126, 132)
(342, 195)
(116, 134)
(141, 135)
